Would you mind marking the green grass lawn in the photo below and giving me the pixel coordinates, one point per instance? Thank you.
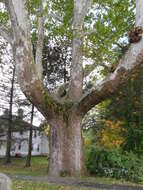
(39, 167)
(22, 185)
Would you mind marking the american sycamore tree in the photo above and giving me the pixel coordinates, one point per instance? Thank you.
(87, 25)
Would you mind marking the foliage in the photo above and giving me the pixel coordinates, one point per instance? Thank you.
(106, 28)
(113, 163)
(109, 30)
(126, 106)
(102, 132)
(111, 135)
(89, 136)
(56, 62)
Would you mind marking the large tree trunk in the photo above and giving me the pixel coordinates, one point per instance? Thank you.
(66, 151)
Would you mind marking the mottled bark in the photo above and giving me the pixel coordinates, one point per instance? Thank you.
(39, 47)
(132, 59)
(76, 82)
(28, 79)
(139, 13)
(4, 32)
(66, 153)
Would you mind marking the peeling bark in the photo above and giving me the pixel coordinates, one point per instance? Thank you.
(39, 47)
(131, 60)
(66, 153)
(80, 10)
(7, 35)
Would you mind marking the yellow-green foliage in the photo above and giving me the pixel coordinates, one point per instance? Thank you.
(111, 135)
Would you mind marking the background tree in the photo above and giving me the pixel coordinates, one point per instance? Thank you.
(28, 159)
(12, 99)
(129, 101)
(7, 95)
(9, 139)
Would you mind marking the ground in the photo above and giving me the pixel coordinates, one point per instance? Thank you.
(22, 185)
(39, 166)
(36, 178)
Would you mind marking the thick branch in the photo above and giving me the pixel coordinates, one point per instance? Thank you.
(132, 60)
(6, 34)
(12, 15)
(80, 10)
(40, 41)
(19, 17)
(23, 55)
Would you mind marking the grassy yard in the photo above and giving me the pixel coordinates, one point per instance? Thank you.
(39, 167)
(22, 185)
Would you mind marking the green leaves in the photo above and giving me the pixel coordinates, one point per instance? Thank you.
(33, 5)
(3, 17)
(107, 23)
(110, 21)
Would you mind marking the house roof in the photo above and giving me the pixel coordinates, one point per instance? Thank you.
(18, 124)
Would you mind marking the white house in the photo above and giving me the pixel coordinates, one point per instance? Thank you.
(20, 136)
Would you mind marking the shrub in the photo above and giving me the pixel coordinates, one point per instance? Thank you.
(113, 163)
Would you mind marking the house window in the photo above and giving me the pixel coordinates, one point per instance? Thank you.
(19, 147)
(21, 132)
(0, 145)
(38, 148)
(35, 133)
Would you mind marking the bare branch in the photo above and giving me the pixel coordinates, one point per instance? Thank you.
(132, 59)
(12, 15)
(19, 17)
(80, 11)
(40, 41)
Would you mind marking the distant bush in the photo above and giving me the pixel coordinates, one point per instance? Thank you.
(113, 163)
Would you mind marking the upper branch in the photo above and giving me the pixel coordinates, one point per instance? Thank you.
(40, 41)
(131, 60)
(80, 11)
(26, 71)
(12, 15)
(19, 17)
